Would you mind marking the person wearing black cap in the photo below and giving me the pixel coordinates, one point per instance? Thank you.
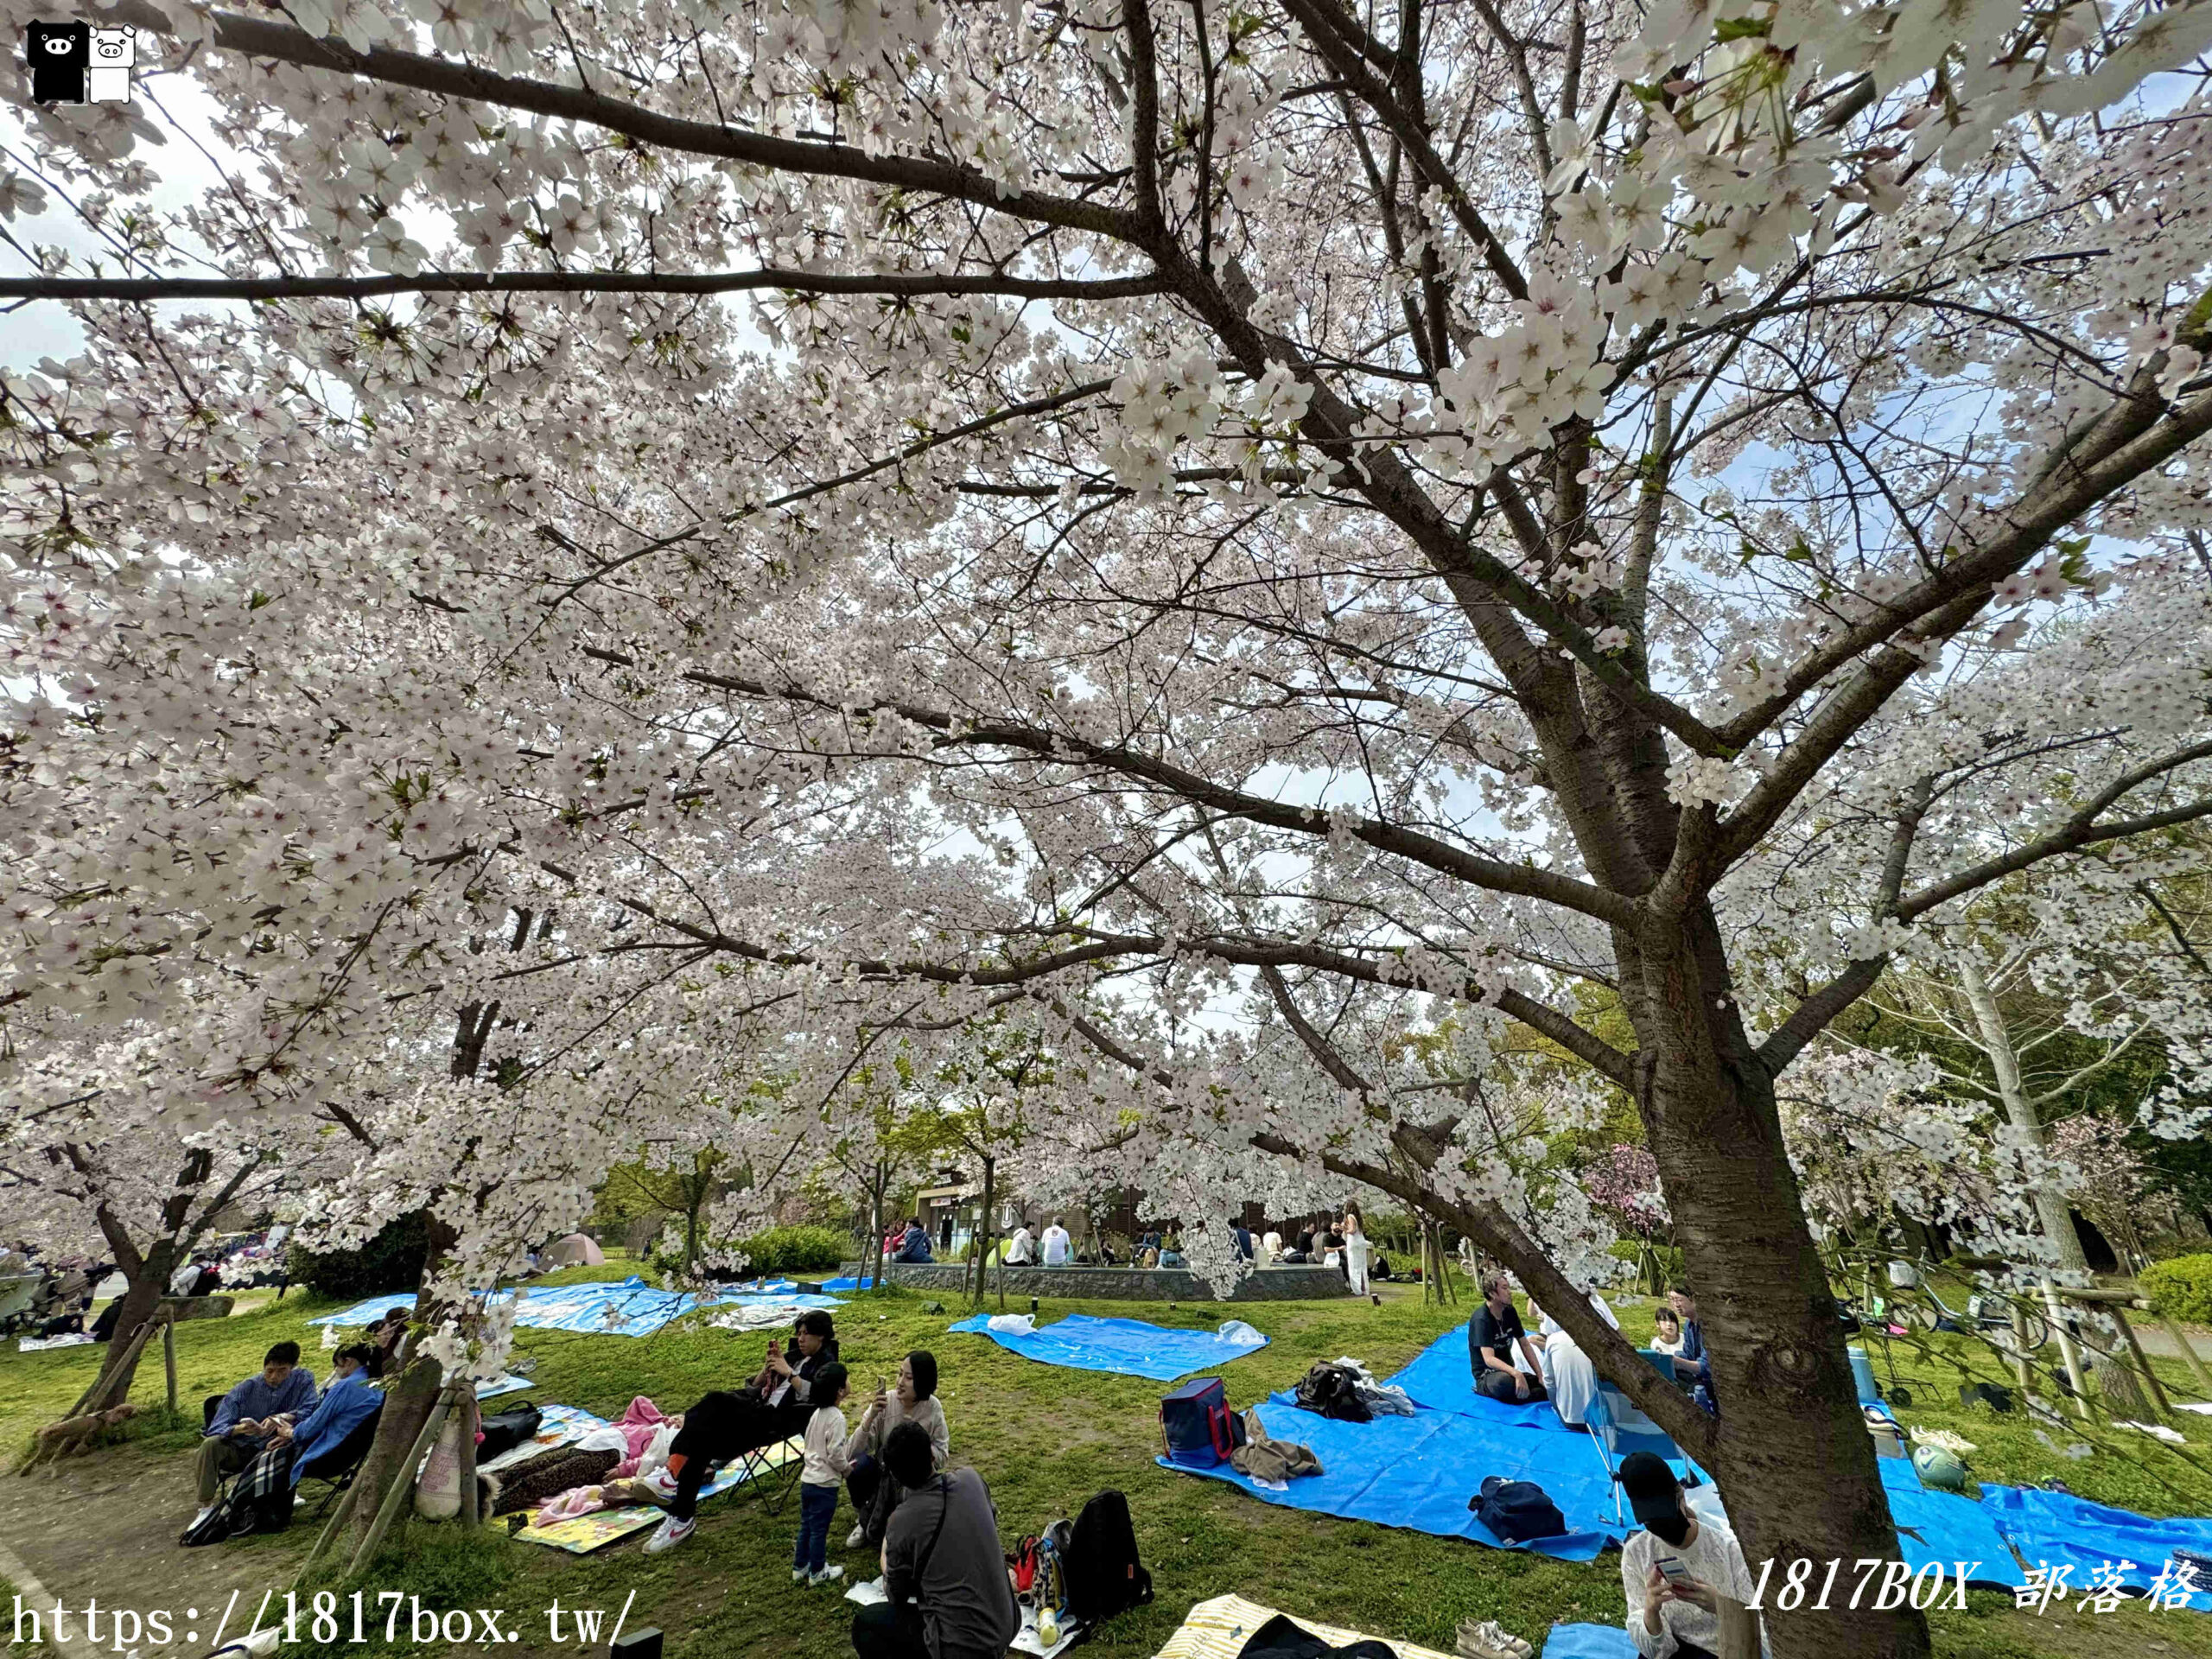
(1677, 1567)
(912, 1398)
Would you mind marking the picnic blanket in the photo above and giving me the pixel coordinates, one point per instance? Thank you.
(1588, 1642)
(1441, 1378)
(493, 1388)
(1218, 1629)
(1125, 1347)
(1419, 1472)
(632, 1308)
(1945, 1528)
(564, 1426)
(2055, 1529)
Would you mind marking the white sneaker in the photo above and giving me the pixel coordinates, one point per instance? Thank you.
(856, 1537)
(800, 1575)
(672, 1532)
(660, 1484)
(827, 1576)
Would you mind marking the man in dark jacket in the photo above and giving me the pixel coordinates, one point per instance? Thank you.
(944, 1567)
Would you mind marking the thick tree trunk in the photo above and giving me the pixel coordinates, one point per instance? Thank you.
(141, 1299)
(1793, 1460)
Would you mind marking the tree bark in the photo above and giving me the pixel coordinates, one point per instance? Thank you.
(985, 1229)
(1792, 1456)
(141, 1299)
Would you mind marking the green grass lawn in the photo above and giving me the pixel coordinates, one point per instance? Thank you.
(1046, 1439)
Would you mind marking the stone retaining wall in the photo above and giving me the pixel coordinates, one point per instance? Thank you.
(1275, 1284)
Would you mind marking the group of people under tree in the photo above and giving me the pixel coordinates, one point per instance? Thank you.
(1510, 1365)
(272, 1430)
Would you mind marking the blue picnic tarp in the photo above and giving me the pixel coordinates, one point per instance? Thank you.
(1944, 1529)
(1442, 1378)
(1125, 1347)
(1419, 1472)
(631, 1308)
(2059, 1530)
(1588, 1642)
(847, 1282)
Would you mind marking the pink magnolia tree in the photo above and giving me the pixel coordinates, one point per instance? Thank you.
(1232, 539)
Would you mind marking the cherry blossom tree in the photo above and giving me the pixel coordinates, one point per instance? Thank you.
(1234, 537)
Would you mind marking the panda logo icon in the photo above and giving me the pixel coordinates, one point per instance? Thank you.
(60, 57)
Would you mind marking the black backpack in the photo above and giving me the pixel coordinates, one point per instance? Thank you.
(1330, 1390)
(1103, 1574)
(1517, 1511)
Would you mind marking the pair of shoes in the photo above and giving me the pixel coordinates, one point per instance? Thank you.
(856, 1537)
(660, 1484)
(827, 1576)
(672, 1532)
(1488, 1640)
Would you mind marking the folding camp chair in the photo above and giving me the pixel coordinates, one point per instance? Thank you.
(334, 1470)
(772, 1482)
(1616, 1428)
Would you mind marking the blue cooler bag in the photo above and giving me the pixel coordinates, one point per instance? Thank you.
(1196, 1426)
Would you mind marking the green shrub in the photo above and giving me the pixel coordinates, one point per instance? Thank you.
(2180, 1288)
(795, 1250)
(393, 1260)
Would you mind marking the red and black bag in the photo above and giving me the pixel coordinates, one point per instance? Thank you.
(1197, 1427)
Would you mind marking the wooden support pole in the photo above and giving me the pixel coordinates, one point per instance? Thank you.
(339, 1517)
(138, 1340)
(2022, 1372)
(169, 1353)
(403, 1484)
(2066, 1351)
(2142, 1361)
(2195, 1365)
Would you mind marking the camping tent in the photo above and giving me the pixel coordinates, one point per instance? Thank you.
(576, 1251)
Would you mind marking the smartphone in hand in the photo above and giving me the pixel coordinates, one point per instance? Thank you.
(1671, 1569)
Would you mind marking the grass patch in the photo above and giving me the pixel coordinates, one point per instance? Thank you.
(1046, 1439)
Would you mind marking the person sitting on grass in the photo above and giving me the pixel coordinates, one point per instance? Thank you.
(1505, 1363)
(276, 1395)
(944, 1573)
(729, 1422)
(1667, 1333)
(260, 1500)
(827, 1463)
(1022, 1249)
(1677, 1567)
(912, 1398)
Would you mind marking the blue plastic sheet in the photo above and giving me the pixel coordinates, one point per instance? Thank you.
(2059, 1530)
(847, 1283)
(632, 1308)
(1419, 1472)
(1588, 1642)
(1443, 1379)
(1944, 1528)
(370, 1312)
(1125, 1347)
